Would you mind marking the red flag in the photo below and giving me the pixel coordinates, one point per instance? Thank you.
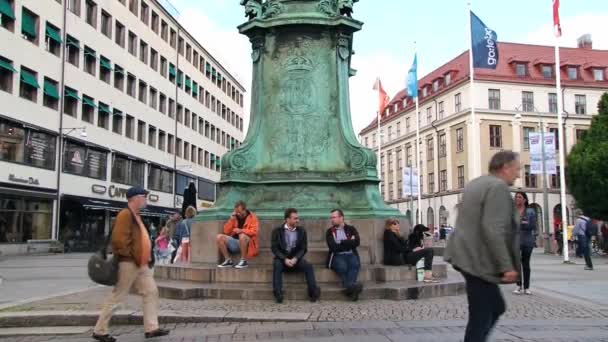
(383, 98)
(557, 28)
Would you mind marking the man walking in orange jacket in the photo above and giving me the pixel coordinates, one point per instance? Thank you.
(240, 237)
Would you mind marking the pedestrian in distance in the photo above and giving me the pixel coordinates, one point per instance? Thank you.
(584, 230)
(132, 244)
(484, 245)
(289, 246)
(343, 258)
(240, 236)
(527, 240)
(163, 247)
(181, 238)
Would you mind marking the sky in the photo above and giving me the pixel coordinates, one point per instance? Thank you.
(394, 29)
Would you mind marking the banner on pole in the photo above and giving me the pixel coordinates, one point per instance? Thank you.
(410, 181)
(536, 153)
(484, 44)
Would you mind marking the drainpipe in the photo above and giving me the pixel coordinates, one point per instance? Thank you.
(175, 118)
(438, 178)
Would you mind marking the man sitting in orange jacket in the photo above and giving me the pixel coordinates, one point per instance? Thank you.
(240, 237)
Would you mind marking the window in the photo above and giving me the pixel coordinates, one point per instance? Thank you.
(53, 39)
(85, 161)
(555, 133)
(103, 116)
(408, 156)
(431, 181)
(442, 146)
(188, 86)
(120, 34)
(171, 144)
(132, 44)
(153, 59)
(88, 109)
(7, 14)
(163, 66)
(160, 179)
(91, 13)
(180, 113)
(430, 150)
(133, 6)
(117, 121)
(171, 108)
(435, 85)
(580, 133)
(127, 170)
(495, 136)
(180, 46)
(527, 101)
(443, 180)
(141, 131)
(457, 103)
(29, 26)
(153, 99)
(448, 79)
(164, 31)
(51, 94)
(527, 131)
(521, 69)
(143, 52)
(173, 39)
(172, 73)
(6, 75)
(130, 127)
(143, 92)
(119, 77)
(407, 125)
(459, 140)
(195, 59)
(529, 178)
(73, 51)
(25, 145)
(106, 26)
(429, 115)
(188, 53)
(494, 98)
(155, 21)
(162, 136)
(70, 102)
(186, 151)
(552, 103)
(572, 73)
(131, 85)
(441, 110)
(461, 177)
(580, 104)
(178, 147)
(598, 74)
(105, 69)
(28, 88)
(152, 136)
(144, 14)
(162, 103)
(187, 118)
(547, 71)
(74, 6)
(424, 91)
(555, 179)
(90, 60)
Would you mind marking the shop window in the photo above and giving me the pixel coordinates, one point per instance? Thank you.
(84, 161)
(24, 145)
(126, 170)
(25, 218)
(160, 179)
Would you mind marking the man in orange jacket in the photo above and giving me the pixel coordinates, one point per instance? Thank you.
(240, 237)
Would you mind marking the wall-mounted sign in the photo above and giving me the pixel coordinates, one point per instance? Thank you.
(29, 180)
(118, 192)
(98, 189)
(115, 191)
(153, 198)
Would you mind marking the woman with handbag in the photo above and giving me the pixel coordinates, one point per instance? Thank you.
(163, 247)
(182, 237)
(527, 239)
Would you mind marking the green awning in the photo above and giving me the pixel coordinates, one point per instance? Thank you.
(29, 79)
(214, 73)
(117, 112)
(6, 65)
(219, 76)
(104, 108)
(90, 52)
(53, 34)
(119, 69)
(50, 89)
(208, 67)
(28, 25)
(73, 42)
(105, 63)
(171, 70)
(73, 94)
(88, 102)
(6, 9)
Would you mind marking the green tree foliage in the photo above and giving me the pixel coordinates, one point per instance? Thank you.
(587, 175)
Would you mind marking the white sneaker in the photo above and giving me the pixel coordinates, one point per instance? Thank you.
(527, 291)
(242, 264)
(518, 291)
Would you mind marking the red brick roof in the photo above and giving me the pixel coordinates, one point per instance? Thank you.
(510, 53)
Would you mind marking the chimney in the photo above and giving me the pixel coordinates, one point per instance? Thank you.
(585, 42)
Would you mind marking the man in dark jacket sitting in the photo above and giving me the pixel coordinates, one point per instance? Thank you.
(289, 245)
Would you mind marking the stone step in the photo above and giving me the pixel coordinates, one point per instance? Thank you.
(263, 274)
(314, 255)
(402, 290)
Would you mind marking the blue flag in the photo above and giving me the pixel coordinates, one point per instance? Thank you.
(412, 79)
(483, 44)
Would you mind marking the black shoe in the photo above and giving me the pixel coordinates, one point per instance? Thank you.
(315, 294)
(104, 338)
(587, 268)
(278, 297)
(157, 333)
(357, 288)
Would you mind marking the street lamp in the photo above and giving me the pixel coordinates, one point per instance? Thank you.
(83, 131)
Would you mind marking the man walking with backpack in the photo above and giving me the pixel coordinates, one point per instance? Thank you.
(584, 230)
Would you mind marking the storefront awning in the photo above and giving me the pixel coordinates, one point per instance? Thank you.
(103, 204)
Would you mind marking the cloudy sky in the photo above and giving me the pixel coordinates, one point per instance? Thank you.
(385, 46)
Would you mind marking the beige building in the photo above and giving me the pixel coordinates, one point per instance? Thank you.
(98, 96)
(510, 102)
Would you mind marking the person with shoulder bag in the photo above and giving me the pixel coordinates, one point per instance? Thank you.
(527, 240)
(132, 246)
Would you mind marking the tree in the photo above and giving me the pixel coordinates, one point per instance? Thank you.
(587, 176)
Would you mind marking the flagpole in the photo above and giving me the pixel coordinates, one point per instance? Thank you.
(419, 216)
(562, 152)
(379, 142)
(474, 143)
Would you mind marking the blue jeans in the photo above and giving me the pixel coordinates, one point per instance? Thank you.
(583, 242)
(347, 267)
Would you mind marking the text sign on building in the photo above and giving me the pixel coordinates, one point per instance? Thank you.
(536, 153)
(410, 181)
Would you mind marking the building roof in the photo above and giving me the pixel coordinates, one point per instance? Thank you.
(535, 56)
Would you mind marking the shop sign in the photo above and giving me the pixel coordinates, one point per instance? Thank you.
(29, 180)
(98, 189)
(115, 191)
(153, 198)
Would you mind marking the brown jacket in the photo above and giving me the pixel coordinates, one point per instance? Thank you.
(126, 238)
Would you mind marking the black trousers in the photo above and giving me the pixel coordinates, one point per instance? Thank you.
(584, 243)
(526, 255)
(413, 257)
(486, 305)
(278, 267)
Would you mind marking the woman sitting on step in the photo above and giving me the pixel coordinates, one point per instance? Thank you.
(398, 251)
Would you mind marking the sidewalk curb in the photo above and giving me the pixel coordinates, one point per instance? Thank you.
(126, 317)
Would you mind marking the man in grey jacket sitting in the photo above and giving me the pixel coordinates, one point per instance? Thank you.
(484, 246)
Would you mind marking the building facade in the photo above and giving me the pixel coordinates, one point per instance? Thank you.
(510, 102)
(98, 96)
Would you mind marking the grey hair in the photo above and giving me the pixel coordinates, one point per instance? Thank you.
(500, 159)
